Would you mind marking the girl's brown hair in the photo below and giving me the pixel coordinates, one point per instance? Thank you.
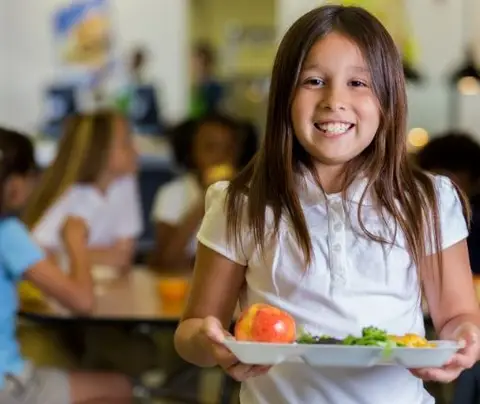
(401, 191)
(81, 156)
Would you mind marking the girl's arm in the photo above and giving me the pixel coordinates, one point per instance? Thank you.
(74, 291)
(172, 241)
(120, 255)
(216, 286)
(449, 290)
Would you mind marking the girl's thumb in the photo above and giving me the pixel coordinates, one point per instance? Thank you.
(214, 330)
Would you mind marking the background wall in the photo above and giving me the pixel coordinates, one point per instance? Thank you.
(27, 52)
(439, 26)
(216, 21)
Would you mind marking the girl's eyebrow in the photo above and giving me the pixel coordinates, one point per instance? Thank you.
(312, 66)
(360, 69)
(316, 67)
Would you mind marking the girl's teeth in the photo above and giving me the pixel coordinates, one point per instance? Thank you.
(334, 127)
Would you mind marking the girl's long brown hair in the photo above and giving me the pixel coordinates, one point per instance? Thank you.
(401, 190)
(81, 156)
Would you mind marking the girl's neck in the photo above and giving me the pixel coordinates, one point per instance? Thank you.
(331, 178)
(103, 183)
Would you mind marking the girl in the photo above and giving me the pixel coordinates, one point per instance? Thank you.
(21, 258)
(179, 206)
(331, 223)
(207, 92)
(92, 179)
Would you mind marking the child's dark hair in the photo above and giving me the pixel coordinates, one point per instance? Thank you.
(17, 157)
(181, 137)
(453, 151)
(18, 153)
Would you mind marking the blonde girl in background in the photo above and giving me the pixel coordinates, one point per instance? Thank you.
(92, 179)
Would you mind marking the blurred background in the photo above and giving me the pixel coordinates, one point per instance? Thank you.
(168, 64)
(244, 35)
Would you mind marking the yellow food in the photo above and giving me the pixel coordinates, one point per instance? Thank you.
(219, 173)
(29, 293)
(411, 341)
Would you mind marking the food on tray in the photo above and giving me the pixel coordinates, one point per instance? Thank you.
(265, 323)
(371, 336)
(411, 341)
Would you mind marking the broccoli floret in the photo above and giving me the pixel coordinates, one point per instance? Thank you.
(374, 333)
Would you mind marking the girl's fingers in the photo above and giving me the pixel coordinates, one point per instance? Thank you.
(241, 372)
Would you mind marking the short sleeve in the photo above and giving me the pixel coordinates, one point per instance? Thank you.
(78, 201)
(213, 231)
(129, 222)
(18, 251)
(453, 224)
(170, 204)
(84, 207)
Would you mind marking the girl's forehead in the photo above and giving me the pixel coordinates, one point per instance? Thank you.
(332, 48)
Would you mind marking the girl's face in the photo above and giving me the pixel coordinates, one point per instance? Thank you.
(335, 112)
(214, 144)
(122, 156)
(17, 190)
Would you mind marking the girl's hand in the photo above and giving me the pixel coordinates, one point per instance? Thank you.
(213, 335)
(469, 336)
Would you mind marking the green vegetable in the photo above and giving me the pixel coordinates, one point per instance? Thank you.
(306, 338)
(371, 336)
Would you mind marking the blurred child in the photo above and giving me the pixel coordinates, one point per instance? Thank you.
(92, 178)
(457, 155)
(202, 145)
(207, 92)
(20, 381)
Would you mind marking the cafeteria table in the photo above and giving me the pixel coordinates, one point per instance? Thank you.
(133, 301)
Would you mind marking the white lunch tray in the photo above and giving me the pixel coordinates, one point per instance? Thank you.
(325, 355)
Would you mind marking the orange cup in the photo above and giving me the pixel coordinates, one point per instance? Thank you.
(172, 289)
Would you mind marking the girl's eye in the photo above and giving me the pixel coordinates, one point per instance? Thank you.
(314, 82)
(358, 83)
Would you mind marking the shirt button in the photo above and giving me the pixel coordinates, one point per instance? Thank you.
(337, 247)
(337, 227)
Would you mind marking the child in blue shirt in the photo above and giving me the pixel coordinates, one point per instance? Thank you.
(21, 258)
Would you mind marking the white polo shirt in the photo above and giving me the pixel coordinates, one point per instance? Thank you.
(175, 200)
(110, 217)
(353, 282)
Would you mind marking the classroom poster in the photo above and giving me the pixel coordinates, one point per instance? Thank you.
(394, 15)
(83, 40)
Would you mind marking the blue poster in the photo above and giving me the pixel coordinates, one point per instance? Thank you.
(83, 39)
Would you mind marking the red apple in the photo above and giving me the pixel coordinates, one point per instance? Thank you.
(265, 323)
